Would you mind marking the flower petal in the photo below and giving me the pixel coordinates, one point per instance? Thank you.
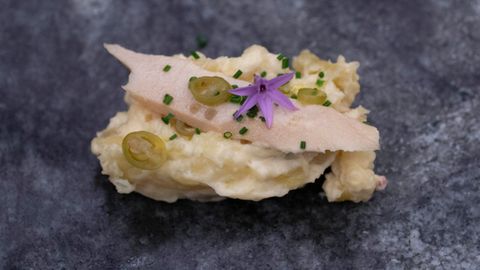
(282, 100)
(266, 107)
(249, 103)
(280, 80)
(244, 91)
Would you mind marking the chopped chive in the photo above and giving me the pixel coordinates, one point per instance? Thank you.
(320, 82)
(227, 135)
(321, 74)
(173, 137)
(262, 118)
(167, 99)
(192, 78)
(252, 112)
(201, 42)
(285, 62)
(280, 57)
(244, 98)
(263, 74)
(239, 119)
(327, 103)
(243, 130)
(166, 68)
(303, 145)
(298, 75)
(237, 74)
(197, 130)
(236, 99)
(280, 74)
(234, 86)
(167, 118)
(293, 96)
(217, 93)
(195, 55)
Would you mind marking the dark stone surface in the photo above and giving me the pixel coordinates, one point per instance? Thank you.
(420, 77)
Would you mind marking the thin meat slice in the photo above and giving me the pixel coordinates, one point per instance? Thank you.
(322, 128)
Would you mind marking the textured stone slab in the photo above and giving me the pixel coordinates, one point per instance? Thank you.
(420, 69)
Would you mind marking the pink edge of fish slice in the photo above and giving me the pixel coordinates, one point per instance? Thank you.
(322, 128)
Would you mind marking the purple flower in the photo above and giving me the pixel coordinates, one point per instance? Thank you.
(264, 94)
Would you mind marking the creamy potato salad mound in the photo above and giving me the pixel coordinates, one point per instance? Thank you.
(208, 166)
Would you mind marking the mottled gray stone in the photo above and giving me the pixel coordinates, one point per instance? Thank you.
(420, 77)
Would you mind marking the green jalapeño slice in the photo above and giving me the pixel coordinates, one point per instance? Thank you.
(211, 91)
(311, 96)
(144, 150)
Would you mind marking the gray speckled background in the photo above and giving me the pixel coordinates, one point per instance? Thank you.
(420, 69)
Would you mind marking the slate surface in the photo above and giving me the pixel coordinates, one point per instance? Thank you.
(420, 69)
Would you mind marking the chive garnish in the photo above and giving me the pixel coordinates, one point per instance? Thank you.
(173, 137)
(227, 135)
(201, 42)
(234, 86)
(167, 118)
(192, 78)
(279, 74)
(197, 130)
(243, 130)
(252, 112)
(293, 96)
(236, 99)
(263, 74)
(166, 68)
(320, 82)
(303, 145)
(285, 62)
(239, 119)
(321, 74)
(167, 99)
(327, 103)
(280, 57)
(195, 55)
(237, 74)
(298, 75)
(262, 118)
(244, 98)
